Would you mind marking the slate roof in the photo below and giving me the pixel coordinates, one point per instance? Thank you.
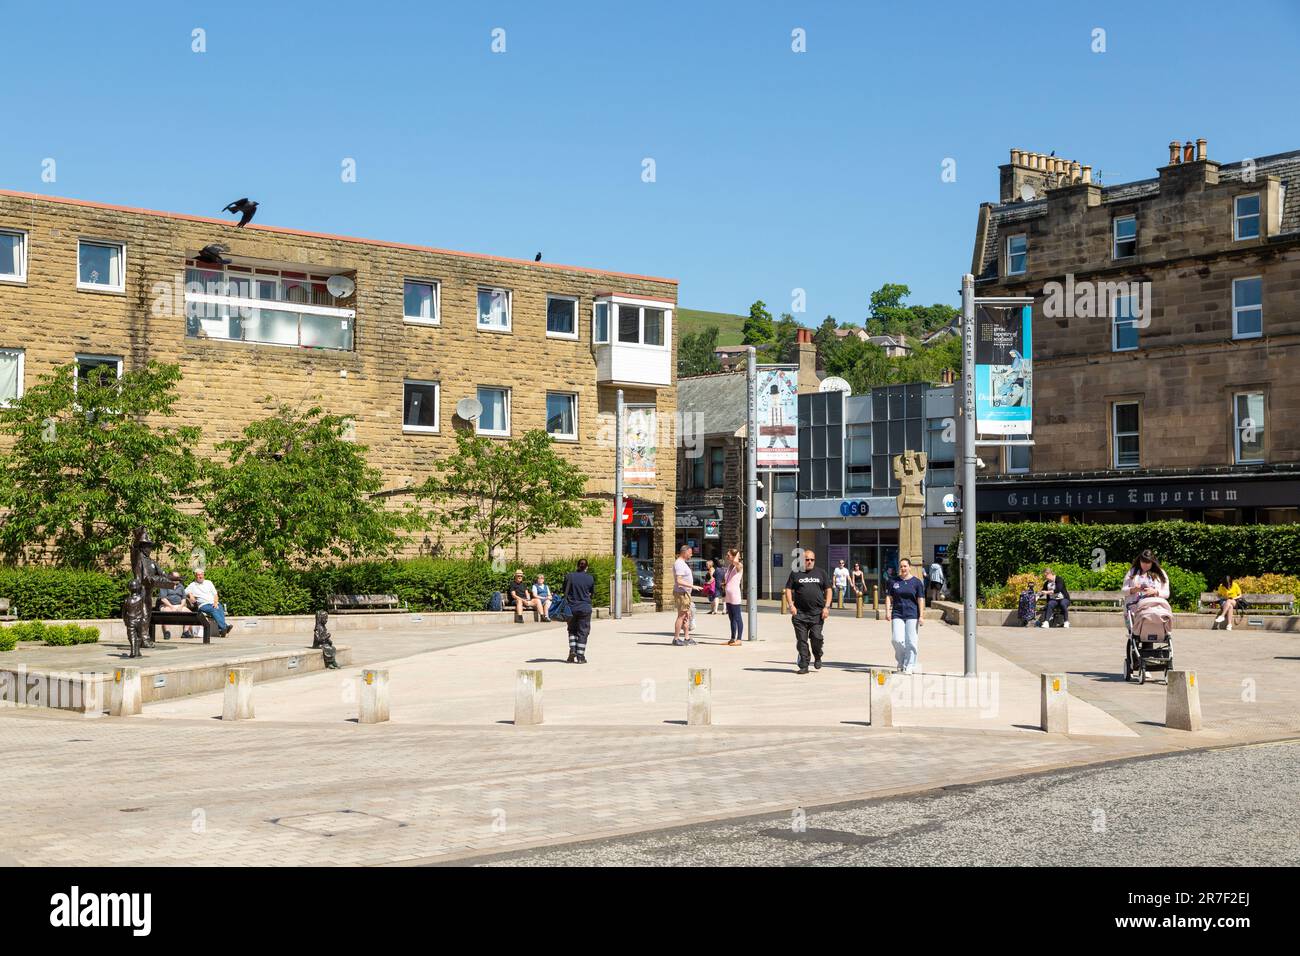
(719, 400)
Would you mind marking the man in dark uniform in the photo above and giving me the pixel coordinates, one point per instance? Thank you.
(579, 585)
(808, 595)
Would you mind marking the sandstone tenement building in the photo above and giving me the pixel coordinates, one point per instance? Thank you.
(392, 335)
(1166, 336)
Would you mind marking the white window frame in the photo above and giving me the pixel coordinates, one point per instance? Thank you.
(596, 338)
(1236, 309)
(120, 288)
(1115, 239)
(493, 433)
(22, 358)
(577, 312)
(437, 407)
(1114, 325)
(96, 357)
(21, 277)
(1258, 216)
(437, 302)
(1116, 434)
(1236, 426)
(478, 316)
(1025, 264)
(640, 304)
(558, 436)
(1019, 471)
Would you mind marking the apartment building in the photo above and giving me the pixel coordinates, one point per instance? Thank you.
(392, 335)
(1166, 330)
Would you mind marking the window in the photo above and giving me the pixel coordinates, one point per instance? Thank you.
(562, 415)
(11, 375)
(696, 477)
(857, 469)
(600, 323)
(494, 310)
(13, 256)
(561, 317)
(1245, 218)
(109, 366)
(1249, 426)
(100, 266)
(1017, 459)
(419, 406)
(641, 325)
(1126, 434)
(717, 466)
(1247, 308)
(420, 302)
(267, 305)
(1017, 251)
(1126, 237)
(495, 419)
(1123, 322)
(786, 482)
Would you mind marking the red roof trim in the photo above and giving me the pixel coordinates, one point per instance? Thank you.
(280, 230)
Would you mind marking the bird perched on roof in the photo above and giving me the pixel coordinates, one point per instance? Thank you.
(246, 207)
(211, 254)
(538, 257)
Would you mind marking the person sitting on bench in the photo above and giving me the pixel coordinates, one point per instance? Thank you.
(172, 598)
(202, 597)
(518, 592)
(1057, 597)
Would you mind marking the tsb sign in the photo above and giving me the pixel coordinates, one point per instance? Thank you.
(854, 509)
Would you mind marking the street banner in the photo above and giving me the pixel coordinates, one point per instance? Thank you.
(777, 400)
(639, 431)
(1003, 376)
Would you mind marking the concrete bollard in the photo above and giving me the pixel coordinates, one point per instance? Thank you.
(374, 696)
(1182, 701)
(699, 696)
(1054, 698)
(528, 698)
(238, 703)
(125, 697)
(880, 706)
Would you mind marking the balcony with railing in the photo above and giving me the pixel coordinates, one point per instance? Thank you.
(632, 338)
(245, 303)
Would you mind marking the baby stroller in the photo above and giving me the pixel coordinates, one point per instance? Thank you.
(1150, 645)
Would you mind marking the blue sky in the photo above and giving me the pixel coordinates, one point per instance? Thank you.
(775, 170)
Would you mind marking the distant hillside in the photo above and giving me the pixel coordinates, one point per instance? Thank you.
(691, 321)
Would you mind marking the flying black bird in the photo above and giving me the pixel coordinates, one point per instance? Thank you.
(211, 254)
(538, 257)
(246, 207)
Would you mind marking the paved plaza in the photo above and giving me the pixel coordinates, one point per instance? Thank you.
(450, 778)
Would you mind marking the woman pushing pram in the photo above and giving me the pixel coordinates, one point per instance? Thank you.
(1148, 617)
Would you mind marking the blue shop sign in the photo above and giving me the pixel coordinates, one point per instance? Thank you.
(854, 509)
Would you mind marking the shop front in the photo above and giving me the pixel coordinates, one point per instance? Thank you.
(701, 528)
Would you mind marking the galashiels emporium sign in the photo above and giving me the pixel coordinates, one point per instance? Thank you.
(1118, 495)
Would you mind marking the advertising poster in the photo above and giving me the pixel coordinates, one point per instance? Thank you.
(777, 398)
(1003, 374)
(639, 431)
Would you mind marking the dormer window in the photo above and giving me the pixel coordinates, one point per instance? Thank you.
(1245, 218)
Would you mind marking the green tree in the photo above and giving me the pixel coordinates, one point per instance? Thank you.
(784, 347)
(294, 490)
(695, 355)
(89, 462)
(503, 491)
(759, 329)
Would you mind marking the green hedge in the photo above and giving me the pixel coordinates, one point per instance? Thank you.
(55, 635)
(8, 640)
(425, 584)
(1185, 587)
(1211, 550)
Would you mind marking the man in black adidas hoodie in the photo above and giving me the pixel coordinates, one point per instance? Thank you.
(808, 595)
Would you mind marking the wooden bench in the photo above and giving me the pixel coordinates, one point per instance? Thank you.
(1083, 599)
(159, 619)
(6, 612)
(355, 603)
(508, 605)
(1256, 603)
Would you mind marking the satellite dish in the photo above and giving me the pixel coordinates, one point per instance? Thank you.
(1027, 193)
(340, 286)
(469, 408)
(835, 384)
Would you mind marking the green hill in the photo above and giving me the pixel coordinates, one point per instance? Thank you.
(730, 327)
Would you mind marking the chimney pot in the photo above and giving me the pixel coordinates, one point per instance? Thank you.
(1015, 157)
(1200, 149)
(1173, 152)
(1188, 151)
(1074, 172)
(1087, 174)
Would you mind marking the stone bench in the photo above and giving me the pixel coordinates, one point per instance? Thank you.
(7, 613)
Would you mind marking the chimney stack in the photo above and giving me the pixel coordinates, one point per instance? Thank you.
(1173, 152)
(1200, 150)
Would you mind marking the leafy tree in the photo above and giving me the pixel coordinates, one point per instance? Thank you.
(785, 335)
(295, 490)
(90, 462)
(759, 329)
(501, 491)
(695, 355)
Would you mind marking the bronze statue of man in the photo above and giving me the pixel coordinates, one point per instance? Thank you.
(135, 615)
(146, 570)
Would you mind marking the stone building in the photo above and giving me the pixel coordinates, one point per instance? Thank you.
(1166, 334)
(393, 336)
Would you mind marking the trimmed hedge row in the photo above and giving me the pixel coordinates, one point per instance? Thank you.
(425, 584)
(1211, 550)
(54, 635)
(1185, 587)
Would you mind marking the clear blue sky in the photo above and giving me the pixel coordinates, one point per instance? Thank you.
(775, 170)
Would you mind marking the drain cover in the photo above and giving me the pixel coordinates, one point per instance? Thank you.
(333, 822)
